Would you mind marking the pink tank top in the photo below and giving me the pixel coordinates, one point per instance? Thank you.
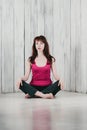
(41, 75)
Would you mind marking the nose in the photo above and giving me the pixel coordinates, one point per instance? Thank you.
(39, 44)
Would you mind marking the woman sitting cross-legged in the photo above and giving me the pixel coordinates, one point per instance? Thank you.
(40, 63)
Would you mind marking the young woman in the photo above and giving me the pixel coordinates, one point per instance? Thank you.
(41, 63)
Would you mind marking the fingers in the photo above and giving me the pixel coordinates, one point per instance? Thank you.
(61, 85)
(19, 82)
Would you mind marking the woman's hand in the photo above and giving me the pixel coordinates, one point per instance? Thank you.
(19, 82)
(61, 85)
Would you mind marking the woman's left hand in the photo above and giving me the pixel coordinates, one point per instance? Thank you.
(61, 85)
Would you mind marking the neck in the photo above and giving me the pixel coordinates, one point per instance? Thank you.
(40, 54)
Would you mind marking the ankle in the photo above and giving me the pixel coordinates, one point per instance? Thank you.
(40, 94)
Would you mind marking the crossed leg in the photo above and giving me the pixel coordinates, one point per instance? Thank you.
(47, 93)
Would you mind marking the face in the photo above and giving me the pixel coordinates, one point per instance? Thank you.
(39, 45)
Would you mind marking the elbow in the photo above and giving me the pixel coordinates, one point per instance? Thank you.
(56, 78)
(26, 78)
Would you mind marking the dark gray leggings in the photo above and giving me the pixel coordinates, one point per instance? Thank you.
(31, 90)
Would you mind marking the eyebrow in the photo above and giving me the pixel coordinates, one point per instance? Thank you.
(37, 42)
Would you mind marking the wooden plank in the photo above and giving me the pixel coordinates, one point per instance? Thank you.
(7, 46)
(33, 20)
(48, 22)
(19, 47)
(41, 17)
(66, 43)
(75, 46)
(84, 46)
(78, 77)
(28, 44)
(57, 28)
(62, 40)
(0, 43)
(57, 36)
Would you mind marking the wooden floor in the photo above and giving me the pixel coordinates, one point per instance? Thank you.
(68, 111)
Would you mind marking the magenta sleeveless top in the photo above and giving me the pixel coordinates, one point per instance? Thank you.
(41, 75)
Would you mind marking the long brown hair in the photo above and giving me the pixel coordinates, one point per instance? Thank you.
(45, 51)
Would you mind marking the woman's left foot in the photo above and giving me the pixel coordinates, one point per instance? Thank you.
(27, 96)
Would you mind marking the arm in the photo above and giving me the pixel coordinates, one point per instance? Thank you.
(54, 71)
(26, 76)
(28, 70)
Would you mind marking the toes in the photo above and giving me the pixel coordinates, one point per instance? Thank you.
(27, 96)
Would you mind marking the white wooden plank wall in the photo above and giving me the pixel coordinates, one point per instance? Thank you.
(63, 22)
(0, 42)
(75, 46)
(59, 36)
(19, 42)
(41, 17)
(48, 22)
(84, 45)
(27, 35)
(7, 45)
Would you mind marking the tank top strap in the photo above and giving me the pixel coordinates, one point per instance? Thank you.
(34, 62)
(48, 62)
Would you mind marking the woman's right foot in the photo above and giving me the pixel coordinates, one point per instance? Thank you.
(49, 96)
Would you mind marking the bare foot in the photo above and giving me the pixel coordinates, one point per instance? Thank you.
(27, 96)
(49, 96)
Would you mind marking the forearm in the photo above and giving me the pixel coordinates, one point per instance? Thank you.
(28, 71)
(56, 78)
(25, 77)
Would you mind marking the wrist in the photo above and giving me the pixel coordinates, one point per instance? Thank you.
(58, 79)
(22, 78)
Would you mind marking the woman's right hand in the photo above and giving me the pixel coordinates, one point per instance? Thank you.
(19, 82)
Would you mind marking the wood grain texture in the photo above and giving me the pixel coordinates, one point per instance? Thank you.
(27, 30)
(41, 11)
(48, 22)
(84, 46)
(33, 20)
(0, 45)
(7, 46)
(75, 40)
(19, 47)
(65, 66)
(62, 40)
(63, 22)
(28, 42)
